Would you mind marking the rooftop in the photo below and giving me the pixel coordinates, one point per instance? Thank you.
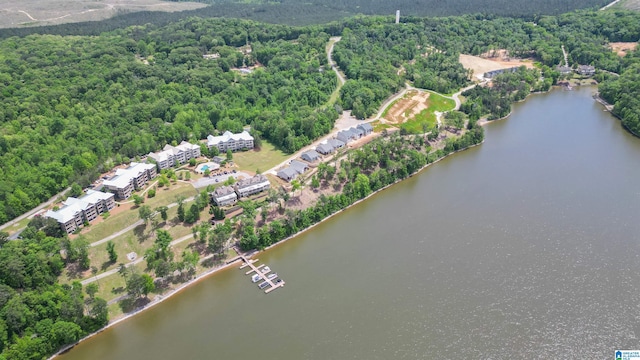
(258, 179)
(124, 176)
(228, 135)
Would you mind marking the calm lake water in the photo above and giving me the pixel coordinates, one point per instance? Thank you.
(526, 247)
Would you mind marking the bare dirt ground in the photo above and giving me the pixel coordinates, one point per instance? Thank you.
(489, 62)
(51, 12)
(621, 48)
(630, 4)
(408, 107)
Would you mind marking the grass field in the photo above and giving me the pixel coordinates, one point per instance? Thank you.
(427, 117)
(266, 158)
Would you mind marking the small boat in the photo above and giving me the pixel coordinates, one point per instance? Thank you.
(263, 285)
(272, 276)
(256, 278)
(265, 269)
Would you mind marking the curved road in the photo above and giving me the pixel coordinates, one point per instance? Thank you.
(332, 42)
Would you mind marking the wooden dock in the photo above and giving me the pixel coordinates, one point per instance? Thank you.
(263, 275)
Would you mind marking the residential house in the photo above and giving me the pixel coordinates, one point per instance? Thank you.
(224, 195)
(287, 174)
(564, 70)
(346, 136)
(298, 166)
(133, 177)
(310, 156)
(586, 70)
(366, 128)
(336, 144)
(231, 141)
(77, 211)
(252, 185)
(324, 149)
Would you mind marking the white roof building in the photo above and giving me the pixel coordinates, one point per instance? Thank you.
(232, 141)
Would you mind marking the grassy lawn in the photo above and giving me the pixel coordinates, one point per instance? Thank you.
(17, 226)
(265, 159)
(427, 117)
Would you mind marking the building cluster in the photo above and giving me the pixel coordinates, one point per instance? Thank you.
(133, 177)
(172, 155)
(78, 211)
(586, 70)
(230, 141)
(227, 195)
(354, 133)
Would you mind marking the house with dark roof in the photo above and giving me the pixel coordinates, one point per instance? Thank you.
(224, 195)
(366, 128)
(325, 149)
(310, 156)
(337, 144)
(299, 166)
(346, 136)
(494, 73)
(287, 174)
(564, 70)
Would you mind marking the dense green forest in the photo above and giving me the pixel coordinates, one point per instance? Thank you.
(624, 92)
(37, 315)
(298, 13)
(70, 104)
(373, 49)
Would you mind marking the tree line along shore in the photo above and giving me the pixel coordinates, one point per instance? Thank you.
(65, 93)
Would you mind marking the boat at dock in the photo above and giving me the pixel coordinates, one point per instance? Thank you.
(263, 285)
(272, 276)
(256, 278)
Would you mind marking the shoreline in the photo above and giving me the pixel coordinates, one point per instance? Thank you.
(235, 260)
(151, 304)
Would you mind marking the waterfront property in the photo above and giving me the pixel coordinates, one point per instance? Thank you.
(586, 70)
(366, 128)
(265, 274)
(325, 149)
(77, 211)
(133, 177)
(230, 141)
(224, 195)
(337, 144)
(287, 174)
(252, 185)
(564, 70)
(170, 155)
(310, 156)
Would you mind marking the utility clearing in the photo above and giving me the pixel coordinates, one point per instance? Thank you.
(622, 48)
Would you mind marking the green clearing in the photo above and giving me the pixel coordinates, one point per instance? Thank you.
(266, 158)
(427, 118)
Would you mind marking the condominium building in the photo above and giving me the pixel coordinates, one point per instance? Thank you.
(232, 141)
(77, 211)
(252, 185)
(224, 195)
(171, 154)
(133, 177)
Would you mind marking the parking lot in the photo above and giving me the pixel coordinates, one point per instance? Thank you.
(218, 179)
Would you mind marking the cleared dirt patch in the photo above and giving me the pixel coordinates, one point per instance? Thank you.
(51, 12)
(622, 48)
(481, 65)
(406, 108)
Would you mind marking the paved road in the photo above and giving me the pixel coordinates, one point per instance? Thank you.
(35, 210)
(136, 261)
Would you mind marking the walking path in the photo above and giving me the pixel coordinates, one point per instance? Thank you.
(610, 5)
(566, 57)
(136, 261)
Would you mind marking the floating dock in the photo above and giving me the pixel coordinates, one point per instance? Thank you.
(268, 284)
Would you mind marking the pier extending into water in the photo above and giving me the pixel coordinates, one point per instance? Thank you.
(267, 283)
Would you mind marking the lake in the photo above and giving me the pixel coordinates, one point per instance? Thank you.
(524, 247)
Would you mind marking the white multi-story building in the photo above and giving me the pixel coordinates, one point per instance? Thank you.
(133, 177)
(78, 210)
(172, 154)
(232, 141)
